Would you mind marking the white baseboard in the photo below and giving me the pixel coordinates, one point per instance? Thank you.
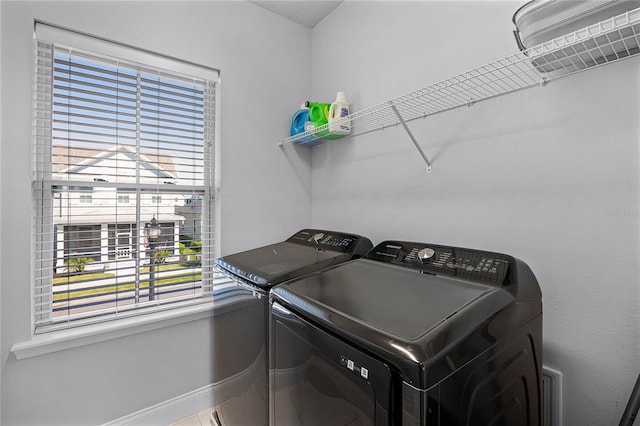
(169, 411)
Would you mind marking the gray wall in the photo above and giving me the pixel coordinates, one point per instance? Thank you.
(549, 175)
(261, 80)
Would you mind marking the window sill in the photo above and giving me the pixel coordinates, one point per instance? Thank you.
(47, 343)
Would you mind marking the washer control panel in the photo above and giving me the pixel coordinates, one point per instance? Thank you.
(327, 240)
(475, 265)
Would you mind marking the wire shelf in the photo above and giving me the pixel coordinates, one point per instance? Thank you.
(606, 42)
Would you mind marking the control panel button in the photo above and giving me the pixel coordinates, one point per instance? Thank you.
(426, 254)
(317, 237)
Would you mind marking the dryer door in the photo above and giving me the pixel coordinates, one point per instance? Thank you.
(317, 379)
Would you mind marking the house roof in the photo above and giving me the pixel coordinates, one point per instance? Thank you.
(68, 160)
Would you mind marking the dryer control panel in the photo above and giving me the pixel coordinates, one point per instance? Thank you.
(473, 265)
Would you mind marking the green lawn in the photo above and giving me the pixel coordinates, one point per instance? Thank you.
(120, 287)
(81, 277)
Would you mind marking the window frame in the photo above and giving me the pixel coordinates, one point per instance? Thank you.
(43, 184)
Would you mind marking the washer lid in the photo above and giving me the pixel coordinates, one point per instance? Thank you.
(270, 265)
(306, 251)
(397, 302)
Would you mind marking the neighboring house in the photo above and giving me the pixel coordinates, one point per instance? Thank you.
(102, 223)
(192, 212)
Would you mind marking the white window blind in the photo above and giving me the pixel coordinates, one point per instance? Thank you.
(123, 187)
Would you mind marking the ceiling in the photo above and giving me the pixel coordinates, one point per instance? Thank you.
(304, 12)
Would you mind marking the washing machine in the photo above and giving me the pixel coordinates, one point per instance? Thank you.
(410, 334)
(241, 312)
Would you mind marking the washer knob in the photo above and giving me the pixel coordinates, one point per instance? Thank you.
(317, 237)
(426, 254)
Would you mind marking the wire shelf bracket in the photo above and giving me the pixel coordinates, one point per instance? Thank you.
(603, 43)
(413, 139)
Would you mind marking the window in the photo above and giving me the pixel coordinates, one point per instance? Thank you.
(81, 242)
(113, 137)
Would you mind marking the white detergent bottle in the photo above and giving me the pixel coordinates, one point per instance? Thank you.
(339, 122)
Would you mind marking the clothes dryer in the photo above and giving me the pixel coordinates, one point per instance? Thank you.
(411, 334)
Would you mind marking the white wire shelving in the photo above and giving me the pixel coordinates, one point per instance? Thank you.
(603, 43)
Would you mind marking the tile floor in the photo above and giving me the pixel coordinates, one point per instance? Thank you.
(199, 419)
